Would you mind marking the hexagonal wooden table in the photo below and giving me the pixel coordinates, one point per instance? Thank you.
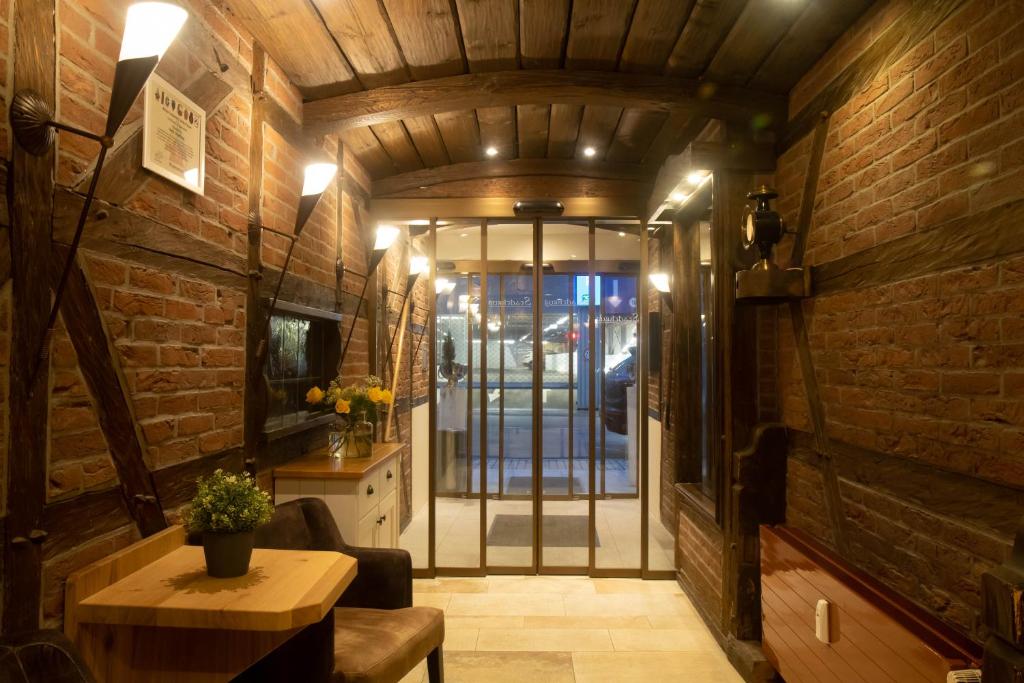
(166, 620)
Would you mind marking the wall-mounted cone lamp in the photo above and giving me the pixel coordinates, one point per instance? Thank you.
(763, 228)
(383, 239)
(315, 180)
(150, 28)
(662, 282)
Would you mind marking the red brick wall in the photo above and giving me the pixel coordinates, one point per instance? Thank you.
(929, 369)
(180, 340)
(699, 557)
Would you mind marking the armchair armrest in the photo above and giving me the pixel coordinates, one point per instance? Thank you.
(383, 581)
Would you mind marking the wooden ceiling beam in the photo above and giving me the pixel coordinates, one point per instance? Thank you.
(508, 168)
(470, 91)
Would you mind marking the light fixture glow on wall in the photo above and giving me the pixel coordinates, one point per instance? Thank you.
(443, 285)
(679, 197)
(696, 177)
(589, 152)
(315, 179)
(150, 28)
(662, 282)
(491, 151)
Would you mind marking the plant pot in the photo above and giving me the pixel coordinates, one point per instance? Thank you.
(228, 555)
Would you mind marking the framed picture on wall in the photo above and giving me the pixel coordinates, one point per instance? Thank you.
(174, 136)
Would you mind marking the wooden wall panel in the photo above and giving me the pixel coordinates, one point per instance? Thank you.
(542, 30)
(428, 36)
(704, 32)
(461, 135)
(563, 130)
(427, 138)
(362, 31)
(489, 34)
(596, 33)
(532, 123)
(655, 30)
(875, 636)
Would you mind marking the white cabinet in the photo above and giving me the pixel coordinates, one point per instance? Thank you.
(361, 495)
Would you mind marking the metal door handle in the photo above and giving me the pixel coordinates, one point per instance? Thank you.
(369, 490)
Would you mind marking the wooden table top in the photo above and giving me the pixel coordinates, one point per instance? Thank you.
(284, 589)
(319, 465)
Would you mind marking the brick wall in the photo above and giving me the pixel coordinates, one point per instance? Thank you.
(180, 340)
(929, 369)
(699, 557)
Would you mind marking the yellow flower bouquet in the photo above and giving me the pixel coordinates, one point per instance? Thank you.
(357, 406)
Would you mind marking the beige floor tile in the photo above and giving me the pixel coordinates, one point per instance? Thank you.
(450, 585)
(500, 604)
(660, 640)
(652, 667)
(508, 667)
(460, 638)
(692, 621)
(612, 586)
(586, 622)
(438, 600)
(541, 584)
(639, 605)
(544, 640)
(486, 622)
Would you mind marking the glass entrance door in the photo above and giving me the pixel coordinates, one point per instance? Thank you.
(536, 464)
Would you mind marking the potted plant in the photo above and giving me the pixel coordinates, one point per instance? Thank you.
(357, 407)
(226, 510)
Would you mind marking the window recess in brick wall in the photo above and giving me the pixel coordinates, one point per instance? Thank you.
(304, 347)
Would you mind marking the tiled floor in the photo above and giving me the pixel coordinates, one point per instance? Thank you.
(458, 533)
(512, 629)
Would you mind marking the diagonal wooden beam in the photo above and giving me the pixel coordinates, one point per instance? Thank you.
(499, 88)
(98, 362)
(472, 170)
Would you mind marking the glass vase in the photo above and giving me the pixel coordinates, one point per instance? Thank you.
(360, 439)
(337, 439)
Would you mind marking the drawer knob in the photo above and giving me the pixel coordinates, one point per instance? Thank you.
(390, 476)
(369, 490)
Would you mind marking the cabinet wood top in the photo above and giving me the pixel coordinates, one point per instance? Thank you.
(284, 589)
(319, 465)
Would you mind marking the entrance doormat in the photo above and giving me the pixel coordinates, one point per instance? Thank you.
(552, 486)
(560, 531)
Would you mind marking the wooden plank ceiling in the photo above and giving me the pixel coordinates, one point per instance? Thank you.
(336, 47)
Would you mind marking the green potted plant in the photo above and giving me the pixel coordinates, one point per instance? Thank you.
(226, 510)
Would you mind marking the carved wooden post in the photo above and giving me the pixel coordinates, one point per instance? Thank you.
(1002, 594)
(31, 209)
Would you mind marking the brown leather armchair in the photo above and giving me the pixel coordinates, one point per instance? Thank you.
(374, 635)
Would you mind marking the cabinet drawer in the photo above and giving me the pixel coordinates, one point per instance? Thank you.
(388, 476)
(368, 492)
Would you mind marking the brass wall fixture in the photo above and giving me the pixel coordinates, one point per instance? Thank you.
(762, 229)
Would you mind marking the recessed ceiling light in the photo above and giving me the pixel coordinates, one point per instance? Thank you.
(419, 221)
(589, 151)
(464, 235)
(622, 234)
(491, 151)
(679, 196)
(572, 255)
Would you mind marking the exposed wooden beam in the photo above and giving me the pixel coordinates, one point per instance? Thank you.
(507, 168)
(987, 236)
(31, 208)
(470, 91)
(497, 207)
(520, 187)
(708, 156)
(920, 19)
(98, 362)
(126, 235)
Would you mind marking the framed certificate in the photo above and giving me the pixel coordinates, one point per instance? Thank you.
(174, 135)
